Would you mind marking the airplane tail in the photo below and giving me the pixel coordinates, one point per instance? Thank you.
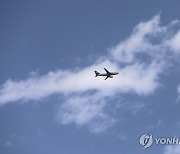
(97, 73)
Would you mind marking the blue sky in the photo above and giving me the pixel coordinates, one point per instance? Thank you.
(50, 101)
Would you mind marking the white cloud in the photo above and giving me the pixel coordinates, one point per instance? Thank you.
(36, 88)
(174, 42)
(83, 110)
(137, 41)
(140, 59)
(172, 149)
(8, 143)
(178, 90)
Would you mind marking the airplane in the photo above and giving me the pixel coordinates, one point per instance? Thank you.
(107, 74)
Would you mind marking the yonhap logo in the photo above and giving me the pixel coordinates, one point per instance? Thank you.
(146, 140)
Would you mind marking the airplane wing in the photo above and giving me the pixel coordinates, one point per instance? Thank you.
(106, 77)
(106, 71)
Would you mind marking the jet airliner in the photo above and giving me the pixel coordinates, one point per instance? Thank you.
(107, 74)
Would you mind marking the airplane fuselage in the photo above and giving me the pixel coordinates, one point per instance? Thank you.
(107, 74)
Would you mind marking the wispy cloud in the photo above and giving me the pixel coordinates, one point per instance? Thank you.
(138, 41)
(8, 143)
(157, 124)
(172, 149)
(86, 110)
(68, 82)
(174, 42)
(139, 59)
(178, 90)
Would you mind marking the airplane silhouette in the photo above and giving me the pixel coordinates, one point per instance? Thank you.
(107, 74)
